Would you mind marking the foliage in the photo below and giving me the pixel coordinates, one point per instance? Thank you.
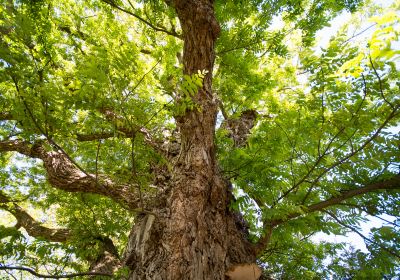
(328, 123)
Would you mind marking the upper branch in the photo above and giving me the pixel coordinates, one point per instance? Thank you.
(128, 130)
(63, 174)
(393, 183)
(394, 113)
(156, 28)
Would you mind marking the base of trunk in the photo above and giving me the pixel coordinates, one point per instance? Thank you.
(196, 237)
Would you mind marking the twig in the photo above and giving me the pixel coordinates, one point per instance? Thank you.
(141, 80)
(9, 273)
(359, 33)
(380, 84)
(51, 141)
(97, 161)
(393, 114)
(172, 33)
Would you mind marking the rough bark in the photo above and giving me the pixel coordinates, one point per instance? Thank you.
(194, 235)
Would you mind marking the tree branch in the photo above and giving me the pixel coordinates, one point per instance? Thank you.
(32, 227)
(72, 275)
(64, 175)
(107, 260)
(95, 136)
(239, 128)
(392, 183)
(380, 83)
(311, 170)
(78, 34)
(44, 131)
(392, 115)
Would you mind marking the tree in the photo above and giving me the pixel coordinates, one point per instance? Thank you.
(174, 140)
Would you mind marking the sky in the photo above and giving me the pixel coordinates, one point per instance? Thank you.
(352, 238)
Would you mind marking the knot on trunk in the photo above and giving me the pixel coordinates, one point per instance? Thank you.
(239, 128)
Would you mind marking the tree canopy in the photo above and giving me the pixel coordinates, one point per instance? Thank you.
(91, 92)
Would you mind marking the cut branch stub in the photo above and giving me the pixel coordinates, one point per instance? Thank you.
(244, 272)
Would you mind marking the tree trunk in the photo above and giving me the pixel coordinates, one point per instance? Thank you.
(192, 234)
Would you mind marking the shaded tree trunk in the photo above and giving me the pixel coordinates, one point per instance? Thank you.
(192, 234)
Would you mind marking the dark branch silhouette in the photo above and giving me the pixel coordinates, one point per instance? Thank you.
(72, 275)
(353, 229)
(391, 116)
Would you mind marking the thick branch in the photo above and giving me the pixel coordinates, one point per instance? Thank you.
(108, 260)
(393, 183)
(96, 136)
(32, 227)
(6, 116)
(64, 175)
(106, 263)
(239, 129)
